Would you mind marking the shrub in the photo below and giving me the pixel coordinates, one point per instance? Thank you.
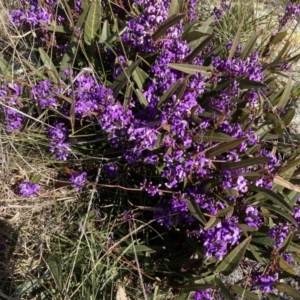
(182, 125)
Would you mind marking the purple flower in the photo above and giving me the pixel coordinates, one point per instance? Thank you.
(27, 189)
(253, 219)
(58, 145)
(265, 282)
(207, 294)
(279, 232)
(78, 180)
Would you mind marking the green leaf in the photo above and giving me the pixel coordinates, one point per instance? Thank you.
(251, 84)
(185, 296)
(232, 260)
(58, 28)
(289, 165)
(247, 49)
(224, 290)
(195, 35)
(36, 178)
(244, 293)
(286, 242)
(139, 76)
(142, 248)
(198, 49)
(196, 287)
(258, 254)
(141, 97)
(289, 116)
(182, 87)
(174, 8)
(221, 148)
(48, 62)
(216, 136)
(293, 197)
(286, 288)
(280, 212)
(122, 79)
(171, 21)
(245, 163)
(212, 222)
(246, 228)
(187, 28)
(236, 40)
(286, 94)
(278, 37)
(263, 131)
(190, 69)
(286, 184)
(195, 210)
(227, 210)
(105, 33)
(285, 266)
(93, 22)
(262, 238)
(169, 92)
(293, 247)
(54, 263)
(275, 198)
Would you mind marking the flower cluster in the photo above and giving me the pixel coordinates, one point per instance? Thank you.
(265, 282)
(292, 10)
(78, 180)
(179, 134)
(10, 98)
(58, 134)
(28, 189)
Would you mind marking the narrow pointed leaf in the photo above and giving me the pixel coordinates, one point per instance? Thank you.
(174, 8)
(284, 183)
(247, 49)
(251, 84)
(245, 227)
(293, 247)
(54, 264)
(289, 166)
(105, 33)
(244, 293)
(196, 287)
(218, 137)
(286, 288)
(286, 94)
(289, 116)
(122, 79)
(246, 163)
(285, 244)
(139, 76)
(195, 211)
(212, 222)
(195, 35)
(278, 37)
(224, 147)
(182, 87)
(141, 97)
(236, 40)
(232, 260)
(171, 21)
(93, 22)
(275, 198)
(281, 212)
(48, 62)
(285, 266)
(169, 93)
(224, 291)
(198, 49)
(190, 69)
